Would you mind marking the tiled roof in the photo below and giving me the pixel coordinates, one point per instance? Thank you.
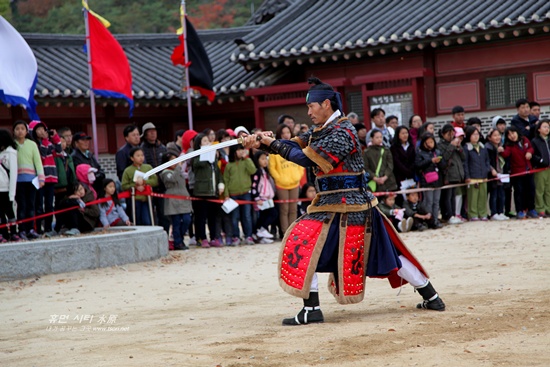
(267, 10)
(311, 27)
(63, 71)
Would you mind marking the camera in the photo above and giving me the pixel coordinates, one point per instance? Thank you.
(51, 133)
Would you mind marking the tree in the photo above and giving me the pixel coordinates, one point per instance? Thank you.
(136, 16)
(212, 15)
(38, 8)
(5, 9)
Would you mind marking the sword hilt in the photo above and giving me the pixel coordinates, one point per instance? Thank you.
(241, 139)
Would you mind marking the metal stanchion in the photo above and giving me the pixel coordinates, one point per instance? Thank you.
(134, 205)
(149, 200)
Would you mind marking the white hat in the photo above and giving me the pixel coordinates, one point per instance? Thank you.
(147, 126)
(241, 129)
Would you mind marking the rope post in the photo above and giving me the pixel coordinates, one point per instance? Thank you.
(149, 201)
(134, 205)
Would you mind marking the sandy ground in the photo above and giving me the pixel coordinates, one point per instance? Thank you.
(223, 307)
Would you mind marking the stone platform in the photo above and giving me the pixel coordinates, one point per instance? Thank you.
(62, 254)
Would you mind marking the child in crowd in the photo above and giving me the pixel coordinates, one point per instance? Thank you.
(237, 177)
(223, 154)
(520, 151)
(476, 169)
(453, 154)
(541, 159)
(422, 219)
(224, 222)
(178, 210)
(476, 122)
(403, 153)
(8, 183)
(209, 185)
(499, 124)
(263, 190)
(85, 174)
(29, 172)
(82, 218)
(141, 206)
(287, 176)
(496, 187)
(395, 214)
(429, 164)
(308, 192)
(111, 213)
(427, 127)
(460, 192)
(66, 174)
(48, 143)
(378, 162)
(187, 146)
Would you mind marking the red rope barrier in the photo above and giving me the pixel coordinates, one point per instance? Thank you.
(149, 192)
(421, 189)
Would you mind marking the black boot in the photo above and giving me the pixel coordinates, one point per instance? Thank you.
(311, 313)
(432, 301)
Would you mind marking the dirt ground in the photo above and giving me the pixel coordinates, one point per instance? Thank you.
(223, 307)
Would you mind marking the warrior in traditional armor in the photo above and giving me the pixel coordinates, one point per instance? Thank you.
(343, 232)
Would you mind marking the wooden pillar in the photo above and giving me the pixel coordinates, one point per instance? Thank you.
(344, 100)
(419, 104)
(258, 116)
(16, 113)
(366, 107)
(110, 121)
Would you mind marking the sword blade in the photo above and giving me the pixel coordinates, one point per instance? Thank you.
(193, 154)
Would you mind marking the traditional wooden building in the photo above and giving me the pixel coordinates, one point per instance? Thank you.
(421, 57)
(409, 57)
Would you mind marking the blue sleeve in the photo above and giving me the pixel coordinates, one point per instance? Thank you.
(296, 155)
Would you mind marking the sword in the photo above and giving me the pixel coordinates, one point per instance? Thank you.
(193, 154)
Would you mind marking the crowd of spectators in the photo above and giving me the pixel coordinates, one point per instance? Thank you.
(44, 170)
(463, 174)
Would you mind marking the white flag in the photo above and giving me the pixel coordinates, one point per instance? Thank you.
(18, 69)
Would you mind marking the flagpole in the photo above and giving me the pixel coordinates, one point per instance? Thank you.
(186, 53)
(92, 96)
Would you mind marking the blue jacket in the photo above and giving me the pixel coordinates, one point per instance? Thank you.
(122, 158)
(522, 125)
(476, 165)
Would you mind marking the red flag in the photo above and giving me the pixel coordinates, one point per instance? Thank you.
(111, 74)
(178, 55)
(201, 77)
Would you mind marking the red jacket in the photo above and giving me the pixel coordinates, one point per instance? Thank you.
(516, 152)
(456, 124)
(47, 148)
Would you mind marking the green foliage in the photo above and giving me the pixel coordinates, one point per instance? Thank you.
(137, 16)
(5, 9)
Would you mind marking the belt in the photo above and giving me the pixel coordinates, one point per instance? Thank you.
(341, 182)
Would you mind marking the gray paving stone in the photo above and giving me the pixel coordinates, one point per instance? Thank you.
(65, 254)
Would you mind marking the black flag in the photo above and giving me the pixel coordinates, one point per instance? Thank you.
(201, 77)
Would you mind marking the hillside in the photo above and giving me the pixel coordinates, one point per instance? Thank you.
(138, 16)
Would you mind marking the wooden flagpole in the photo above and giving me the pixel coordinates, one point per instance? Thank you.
(186, 53)
(92, 96)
